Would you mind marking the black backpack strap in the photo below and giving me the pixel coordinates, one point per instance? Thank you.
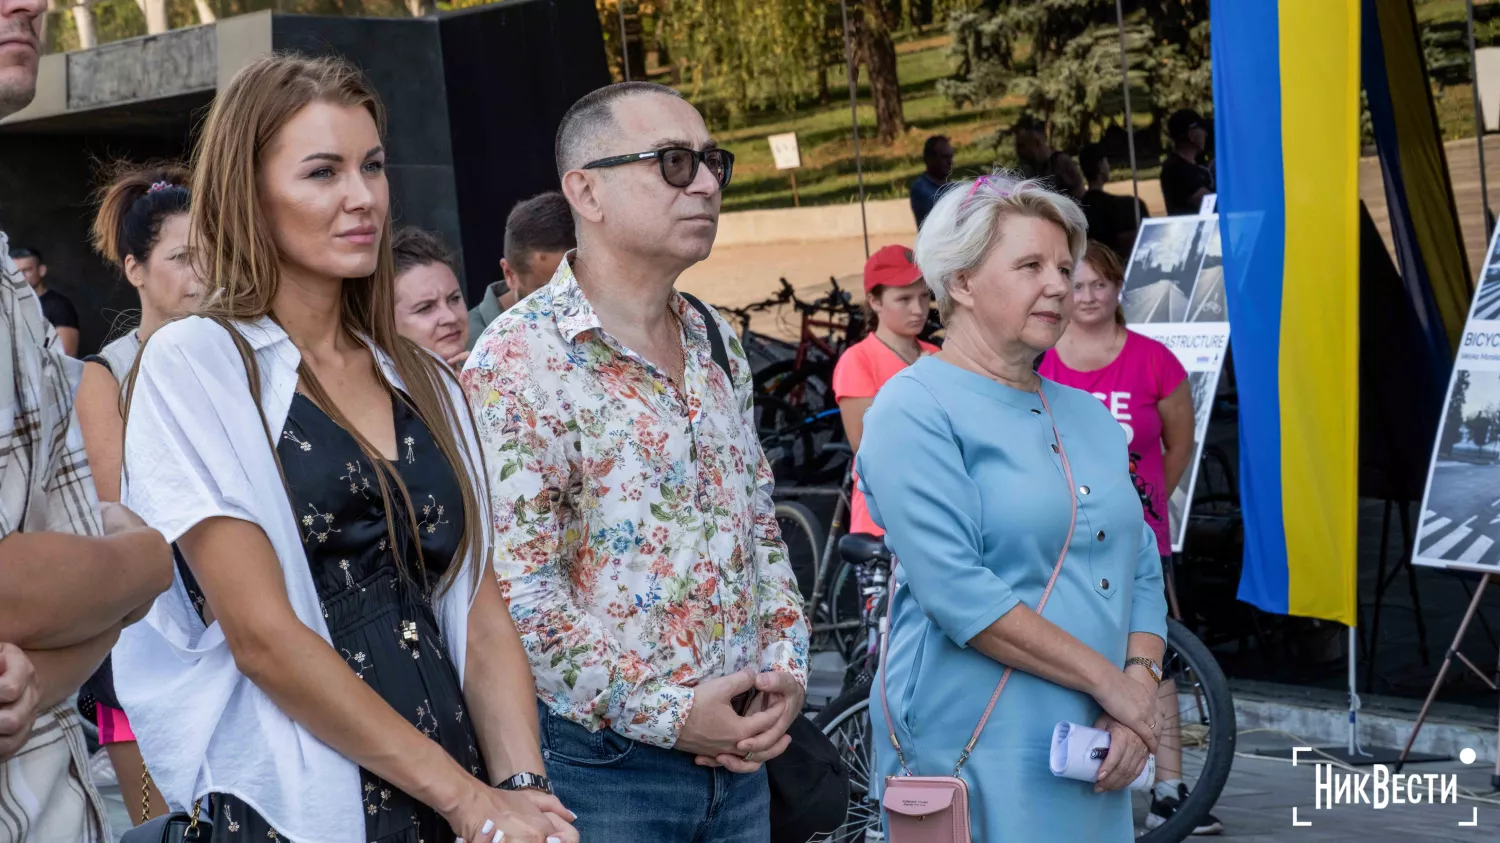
(715, 339)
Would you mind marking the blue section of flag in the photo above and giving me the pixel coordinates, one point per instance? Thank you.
(1252, 224)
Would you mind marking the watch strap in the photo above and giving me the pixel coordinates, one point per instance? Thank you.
(1152, 667)
(526, 781)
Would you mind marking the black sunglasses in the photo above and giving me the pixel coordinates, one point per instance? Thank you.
(679, 164)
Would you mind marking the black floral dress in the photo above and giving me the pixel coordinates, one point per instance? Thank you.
(380, 620)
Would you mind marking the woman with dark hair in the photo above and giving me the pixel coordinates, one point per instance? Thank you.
(430, 309)
(141, 228)
(340, 665)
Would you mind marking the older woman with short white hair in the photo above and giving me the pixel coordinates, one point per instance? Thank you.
(1002, 492)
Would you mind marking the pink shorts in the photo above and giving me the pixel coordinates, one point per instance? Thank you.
(113, 726)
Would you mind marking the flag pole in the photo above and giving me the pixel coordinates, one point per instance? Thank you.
(1135, 187)
(859, 167)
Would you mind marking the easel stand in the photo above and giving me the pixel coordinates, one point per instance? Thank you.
(1437, 684)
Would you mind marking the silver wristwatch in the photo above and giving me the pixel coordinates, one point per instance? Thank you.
(526, 781)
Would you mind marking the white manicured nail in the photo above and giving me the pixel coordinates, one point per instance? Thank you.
(499, 835)
(489, 826)
(554, 840)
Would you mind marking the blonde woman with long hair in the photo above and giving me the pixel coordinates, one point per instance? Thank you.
(339, 665)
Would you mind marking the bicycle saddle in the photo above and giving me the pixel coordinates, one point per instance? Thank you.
(863, 548)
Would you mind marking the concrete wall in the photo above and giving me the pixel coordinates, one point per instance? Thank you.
(886, 218)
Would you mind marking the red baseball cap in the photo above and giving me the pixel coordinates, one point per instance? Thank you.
(891, 266)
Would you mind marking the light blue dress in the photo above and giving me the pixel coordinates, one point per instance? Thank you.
(961, 473)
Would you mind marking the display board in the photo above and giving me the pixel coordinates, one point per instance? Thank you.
(1460, 524)
(1174, 293)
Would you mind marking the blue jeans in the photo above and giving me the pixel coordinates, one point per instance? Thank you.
(628, 792)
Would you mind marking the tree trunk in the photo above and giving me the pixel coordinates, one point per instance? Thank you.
(46, 29)
(156, 16)
(824, 95)
(421, 8)
(83, 20)
(879, 54)
(205, 12)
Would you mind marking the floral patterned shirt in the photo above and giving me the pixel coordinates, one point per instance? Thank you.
(636, 538)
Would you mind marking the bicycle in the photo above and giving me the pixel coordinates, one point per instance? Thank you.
(1205, 721)
(806, 380)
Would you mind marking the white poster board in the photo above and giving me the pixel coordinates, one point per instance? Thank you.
(1174, 293)
(784, 150)
(1460, 524)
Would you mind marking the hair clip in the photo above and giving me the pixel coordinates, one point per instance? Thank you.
(160, 185)
(982, 180)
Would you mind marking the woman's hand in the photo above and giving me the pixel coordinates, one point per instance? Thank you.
(1126, 759)
(1132, 705)
(552, 808)
(489, 815)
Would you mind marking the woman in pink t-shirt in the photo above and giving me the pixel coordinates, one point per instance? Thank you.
(1146, 390)
(896, 302)
(1136, 377)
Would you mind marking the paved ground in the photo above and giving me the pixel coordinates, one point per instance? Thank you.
(1257, 805)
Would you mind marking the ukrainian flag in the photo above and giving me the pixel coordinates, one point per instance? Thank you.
(1286, 113)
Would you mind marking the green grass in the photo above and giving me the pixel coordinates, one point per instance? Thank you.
(828, 172)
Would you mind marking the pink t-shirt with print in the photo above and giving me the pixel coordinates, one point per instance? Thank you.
(1143, 373)
(862, 370)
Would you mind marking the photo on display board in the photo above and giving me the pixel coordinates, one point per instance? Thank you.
(1461, 522)
(1209, 303)
(1163, 269)
(1202, 385)
(1487, 297)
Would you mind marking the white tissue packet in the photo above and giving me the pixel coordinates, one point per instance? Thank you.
(1079, 751)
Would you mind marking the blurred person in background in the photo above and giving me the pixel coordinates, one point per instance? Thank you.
(1033, 152)
(1185, 178)
(1146, 389)
(57, 307)
(538, 232)
(72, 574)
(937, 155)
(1112, 219)
(142, 229)
(896, 303)
(1067, 178)
(429, 304)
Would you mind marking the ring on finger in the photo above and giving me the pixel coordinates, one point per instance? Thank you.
(750, 757)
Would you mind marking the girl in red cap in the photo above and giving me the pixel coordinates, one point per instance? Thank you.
(896, 304)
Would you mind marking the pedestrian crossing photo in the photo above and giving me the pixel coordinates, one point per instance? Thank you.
(1463, 543)
(1460, 524)
(1487, 300)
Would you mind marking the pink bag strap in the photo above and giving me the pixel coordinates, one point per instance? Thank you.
(1041, 604)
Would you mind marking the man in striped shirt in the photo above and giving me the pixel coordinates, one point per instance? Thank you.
(70, 576)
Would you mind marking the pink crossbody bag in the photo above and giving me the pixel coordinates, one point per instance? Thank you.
(935, 809)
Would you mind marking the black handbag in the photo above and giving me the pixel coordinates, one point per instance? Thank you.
(809, 786)
(175, 827)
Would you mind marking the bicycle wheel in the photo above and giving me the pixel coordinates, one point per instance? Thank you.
(846, 722)
(1206, 733)
(804, 541)
(843, 602)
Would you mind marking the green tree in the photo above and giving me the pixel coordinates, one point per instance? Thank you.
(754, 52)
(1063, 58)
(1453, 418)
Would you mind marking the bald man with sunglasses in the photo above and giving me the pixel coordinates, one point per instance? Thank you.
(635, 534)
